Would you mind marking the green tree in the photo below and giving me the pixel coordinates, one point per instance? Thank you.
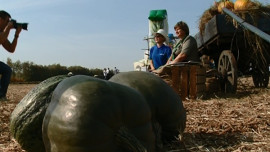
(80, 70)
(56, 69)
(28, 71)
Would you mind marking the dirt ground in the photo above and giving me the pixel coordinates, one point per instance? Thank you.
(220, 122)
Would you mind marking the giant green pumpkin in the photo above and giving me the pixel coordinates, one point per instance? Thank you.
(166, 105)
(26, 119)
(86, 114)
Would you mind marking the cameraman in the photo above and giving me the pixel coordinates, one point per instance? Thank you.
(5, 26)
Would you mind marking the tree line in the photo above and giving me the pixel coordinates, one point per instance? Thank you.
(31, 72)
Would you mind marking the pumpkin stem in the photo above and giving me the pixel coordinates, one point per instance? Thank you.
(128, 141)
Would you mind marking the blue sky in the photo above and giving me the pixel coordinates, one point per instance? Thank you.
(92, 33)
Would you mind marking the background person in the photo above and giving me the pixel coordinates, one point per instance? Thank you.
(186, 47)
(5, 26)
(105, 73)
(116, 71)
(159, 53)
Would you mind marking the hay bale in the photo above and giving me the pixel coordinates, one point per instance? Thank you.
(206, 16)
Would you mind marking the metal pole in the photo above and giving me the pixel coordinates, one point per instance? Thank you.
(250, 27)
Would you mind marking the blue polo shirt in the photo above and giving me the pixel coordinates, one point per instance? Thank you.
(160, 56)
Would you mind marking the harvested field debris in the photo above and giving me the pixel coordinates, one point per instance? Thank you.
(221, 122)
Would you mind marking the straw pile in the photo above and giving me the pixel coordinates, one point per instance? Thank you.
(254, 9)
(206, 16)
(228, 122)
(259, 49)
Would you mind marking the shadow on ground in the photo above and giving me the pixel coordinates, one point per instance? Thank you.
(208, 142)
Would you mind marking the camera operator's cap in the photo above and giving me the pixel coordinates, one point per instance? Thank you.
(163, 33)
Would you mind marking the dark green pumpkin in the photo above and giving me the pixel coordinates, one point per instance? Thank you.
(166, 105)
(26, 119)
(86, 114)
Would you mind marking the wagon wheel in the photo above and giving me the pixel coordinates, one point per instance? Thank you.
(260, 77)
(227, 69)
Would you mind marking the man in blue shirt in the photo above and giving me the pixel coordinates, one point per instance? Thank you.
(160, 53)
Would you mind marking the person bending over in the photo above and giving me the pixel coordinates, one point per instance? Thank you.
(5, 26)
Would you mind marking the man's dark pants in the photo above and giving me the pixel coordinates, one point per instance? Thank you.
(5, 71)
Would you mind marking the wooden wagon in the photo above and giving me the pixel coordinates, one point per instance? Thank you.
(238, 47)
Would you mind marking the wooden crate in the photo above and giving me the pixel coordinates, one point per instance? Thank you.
(188, 81)
(212, 84)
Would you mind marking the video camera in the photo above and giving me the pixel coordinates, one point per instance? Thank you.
(16, 24)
